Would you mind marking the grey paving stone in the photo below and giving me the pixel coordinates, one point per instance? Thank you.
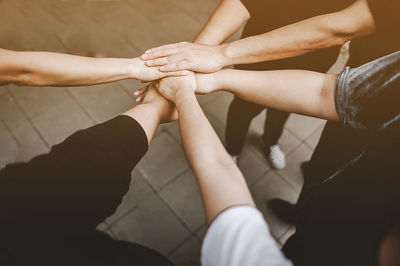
(103, 102)
(164, 161)
(38, 100)
(252, 162)
(218, 107)
(9, 146)
(58, 123)
(201, 233)
(156, 10)
(188, 254)
(292, 172)
(303, 126)
(181, 26)
(29, 142)
(183, 196)
(2, 90)
(272, 186)
(200, 10)
(152, 223)
(313, 140)
(288, 142)
(287, 235)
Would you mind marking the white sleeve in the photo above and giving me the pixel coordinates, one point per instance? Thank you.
(240, 236)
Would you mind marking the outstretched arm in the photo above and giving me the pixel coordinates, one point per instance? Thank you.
(296, 39)
(226, 20)
(298, 91)
(54, 69)
(221, 183)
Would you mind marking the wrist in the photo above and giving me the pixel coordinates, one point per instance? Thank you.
(226, 55)
(183, 96)
(133, 68)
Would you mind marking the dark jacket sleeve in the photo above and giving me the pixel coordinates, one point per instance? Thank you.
(367, 97)
(79, 182)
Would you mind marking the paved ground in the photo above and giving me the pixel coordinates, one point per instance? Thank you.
(163, 209)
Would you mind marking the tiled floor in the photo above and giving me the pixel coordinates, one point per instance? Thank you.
(163, 208)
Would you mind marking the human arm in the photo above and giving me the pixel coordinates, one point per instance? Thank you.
(292, 40)
(298, 91)
(82, 180)
(225, 20)
(221, 183)
(55, 69)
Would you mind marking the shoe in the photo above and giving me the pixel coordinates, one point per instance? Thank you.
(285, 211)
(276, 157)
(235, 158)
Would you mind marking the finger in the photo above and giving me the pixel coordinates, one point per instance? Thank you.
(166, 46)
(178, 73)
(160, 53)
(141, 91)
(178, 66)
(158, 62)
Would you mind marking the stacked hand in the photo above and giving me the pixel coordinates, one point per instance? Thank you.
(186, 56)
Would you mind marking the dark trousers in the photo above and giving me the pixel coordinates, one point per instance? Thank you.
(241, 113)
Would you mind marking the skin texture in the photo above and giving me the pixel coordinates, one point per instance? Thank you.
(292, 40)
(155, 109)
(221, 183)
(226, 19)
(297, 91)
(53, 69)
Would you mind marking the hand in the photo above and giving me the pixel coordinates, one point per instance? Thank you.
(205, 83)
(184, 55)
(166, 109)
(173, 87)
(145, 73)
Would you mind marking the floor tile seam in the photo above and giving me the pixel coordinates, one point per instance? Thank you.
(288, 182)
(166, 204)
(124, 215)
(258, 178)
(178, 246)
(8, 129)
(159, 191)
(83, 109)
(37, 131)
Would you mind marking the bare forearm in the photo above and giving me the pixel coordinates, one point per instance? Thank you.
(221, 183)
(302, 37)
(304, 92)
(43, 68)
(225, 20)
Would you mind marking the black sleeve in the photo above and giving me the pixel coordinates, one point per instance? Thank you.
(367, 97)
(79, 182)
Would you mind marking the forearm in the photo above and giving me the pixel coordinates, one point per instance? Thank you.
(302, 37)
(43, 68)
(221, 183)
(304, 92)
(148, 116)
(225, 20)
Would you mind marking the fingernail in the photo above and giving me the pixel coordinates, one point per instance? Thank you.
(163, 68)
(145, 56)
(136, 93)
(148, 51)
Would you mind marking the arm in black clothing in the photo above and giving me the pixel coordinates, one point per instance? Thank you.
(82, 180)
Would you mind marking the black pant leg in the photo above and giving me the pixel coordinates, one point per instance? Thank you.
(273, 127)
(240, 114)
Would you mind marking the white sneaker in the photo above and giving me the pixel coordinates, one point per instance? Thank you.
(276, 157)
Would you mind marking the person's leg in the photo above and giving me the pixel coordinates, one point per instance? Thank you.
(240, 114)
(273, 128)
